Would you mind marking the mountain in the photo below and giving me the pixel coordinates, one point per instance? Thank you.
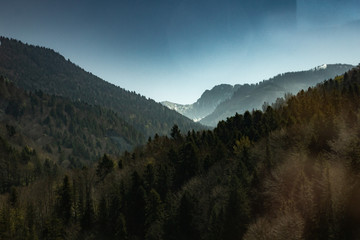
(248, 97)
(38, 68)
(289, 172)
(72, 134)
(206, 104)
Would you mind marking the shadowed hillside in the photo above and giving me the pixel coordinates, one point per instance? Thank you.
(290, 172)
(69, 133)
(38, 68)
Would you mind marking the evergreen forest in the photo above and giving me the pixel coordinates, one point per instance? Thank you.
(35, 68)
(69, 170)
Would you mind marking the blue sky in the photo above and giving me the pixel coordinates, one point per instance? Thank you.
(175, 49)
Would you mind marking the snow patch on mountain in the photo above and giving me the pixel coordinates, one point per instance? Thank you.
(324, 66)
(197, 119)
(177, 107)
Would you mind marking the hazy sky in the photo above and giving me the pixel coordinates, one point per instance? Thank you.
(175, 49)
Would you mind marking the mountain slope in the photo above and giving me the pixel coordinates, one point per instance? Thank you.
(69, 133)
(290, 172)
(248, 97)
(37, 68)
(206, 104)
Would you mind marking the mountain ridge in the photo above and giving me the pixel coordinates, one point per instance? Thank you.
(268, 91)
(239, 98)
(39, 68)
(207, 102)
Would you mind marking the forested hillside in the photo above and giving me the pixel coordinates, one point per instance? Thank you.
(225, 100)
(290, 172)
(248, 97)
(69, 133)
(38, 68)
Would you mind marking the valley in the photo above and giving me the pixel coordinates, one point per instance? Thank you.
(81, 158)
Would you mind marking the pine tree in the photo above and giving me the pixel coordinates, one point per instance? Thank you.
(64, 203)
(186, 222)
(237, 213)
(102, 214)
(175, 132)
(154, 216)
(105, 166)
(13, 197)
(150, 176)
(88, 218)
(190, 163)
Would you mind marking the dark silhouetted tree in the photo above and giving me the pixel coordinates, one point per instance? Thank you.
(175, 132)
(64, 202)
(105, 166)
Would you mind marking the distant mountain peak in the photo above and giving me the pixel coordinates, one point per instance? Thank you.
(323, 66)
(224, 100)
(206, 104)
(249, 97)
